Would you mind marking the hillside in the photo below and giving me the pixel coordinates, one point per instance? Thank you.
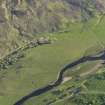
(20, 20)
(52, 52)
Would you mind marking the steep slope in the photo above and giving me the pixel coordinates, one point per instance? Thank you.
(21, 19)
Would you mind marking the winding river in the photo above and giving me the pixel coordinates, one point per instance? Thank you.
(37, 92)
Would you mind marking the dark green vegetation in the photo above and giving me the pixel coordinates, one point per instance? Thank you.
(78, 31)
(94, 93)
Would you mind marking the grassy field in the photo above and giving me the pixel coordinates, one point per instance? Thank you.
(41, 65)
(96, 83)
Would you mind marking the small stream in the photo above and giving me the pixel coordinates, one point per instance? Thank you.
(42, 90)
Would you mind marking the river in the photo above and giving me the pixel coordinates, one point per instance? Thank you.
(59, 80)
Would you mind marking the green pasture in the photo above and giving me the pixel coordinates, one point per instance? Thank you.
(41, 65)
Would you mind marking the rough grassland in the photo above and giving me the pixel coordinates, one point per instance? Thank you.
(41, 65)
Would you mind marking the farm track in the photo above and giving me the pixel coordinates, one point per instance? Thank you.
(59, 80)
(94, 92)
(99, 65)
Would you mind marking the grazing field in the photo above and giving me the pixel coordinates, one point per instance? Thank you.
(41, 65)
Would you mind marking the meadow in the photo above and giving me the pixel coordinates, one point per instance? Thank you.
(41, 65)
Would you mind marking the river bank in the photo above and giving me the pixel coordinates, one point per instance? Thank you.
(59, 80)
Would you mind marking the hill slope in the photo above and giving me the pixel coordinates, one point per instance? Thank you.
(21, 19)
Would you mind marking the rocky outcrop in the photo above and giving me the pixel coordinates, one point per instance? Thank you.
(17, 54)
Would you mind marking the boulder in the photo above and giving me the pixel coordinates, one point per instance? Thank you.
(43, 40)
